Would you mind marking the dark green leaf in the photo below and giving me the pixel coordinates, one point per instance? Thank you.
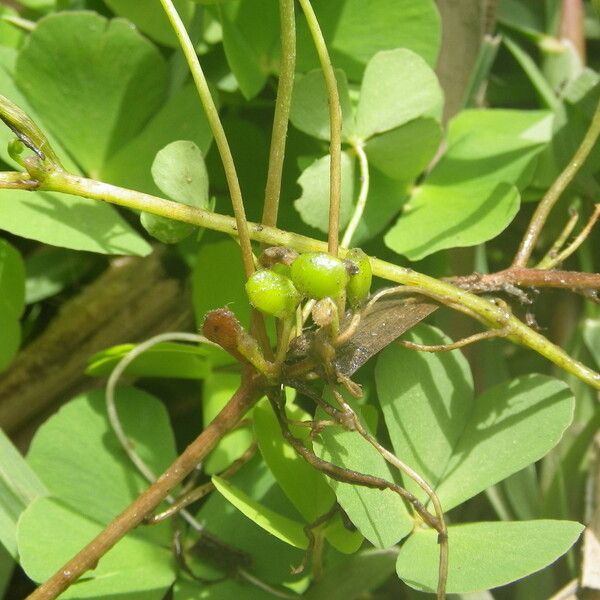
(12, 281)
(355, 577)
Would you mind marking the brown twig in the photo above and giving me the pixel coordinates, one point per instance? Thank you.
(133, 515)
(538, 220)
(536, 278)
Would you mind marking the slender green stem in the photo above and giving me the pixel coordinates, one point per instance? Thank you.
(363, 194)
(335, 122)
(487, 312)
(212, 115)
(561, 240)
(282, 111)
(561, 256)
(556, 189)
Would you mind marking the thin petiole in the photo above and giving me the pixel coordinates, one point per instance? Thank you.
(561, 240)
(362, 194)
(572, 247)
(335, 123)
(538, 220)
(212, 116)
(282, 111)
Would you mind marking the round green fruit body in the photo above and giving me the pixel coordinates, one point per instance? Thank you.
(359, 284)
(272, 293)
(319, 275)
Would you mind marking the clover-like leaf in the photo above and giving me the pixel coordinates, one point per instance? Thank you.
(309, 111)
(381, 516)
(485, 555)
(306, 488)
(398, 86)
(472, 194)
(121, 82)
(74, 476)
(459, 444)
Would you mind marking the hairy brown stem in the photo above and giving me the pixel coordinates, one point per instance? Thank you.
(492, 282)
(244, 398)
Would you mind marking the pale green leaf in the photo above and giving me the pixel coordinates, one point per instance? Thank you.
(70, 222)
(472, 194)
(310, 107)
(485, 555)
(167, 359)
(404, 152)
(287, 530)
(19, 486)
(217, 390)
(356, 30)
(306, 488)
(180, 173)
(150, 17)
(426, 399)
(502, 437)
(120, 76)
(381, 516)
(50, 533)
(75, 477)
(398, 86)
(271, 557)
(313, 204)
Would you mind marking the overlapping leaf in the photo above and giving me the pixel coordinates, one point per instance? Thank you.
(472, 194)
(12, 301)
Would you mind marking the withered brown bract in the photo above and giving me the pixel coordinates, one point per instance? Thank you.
(386, 322)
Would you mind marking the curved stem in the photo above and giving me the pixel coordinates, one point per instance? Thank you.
(212, 115)
(362, 195)
(134, 514)
(282, 111)
(113, 415)
(546, 204)
(486, 311)
(335, 121)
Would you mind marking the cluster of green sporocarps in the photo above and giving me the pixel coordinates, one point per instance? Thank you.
(288, 278)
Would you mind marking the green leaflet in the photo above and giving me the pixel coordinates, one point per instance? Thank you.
(472, 193)
(485, 555)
